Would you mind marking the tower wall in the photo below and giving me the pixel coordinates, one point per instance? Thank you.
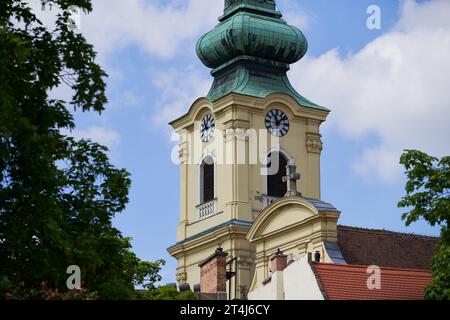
(241, 139)
(250, 51)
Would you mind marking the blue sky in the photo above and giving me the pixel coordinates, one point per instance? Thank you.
(371, 79)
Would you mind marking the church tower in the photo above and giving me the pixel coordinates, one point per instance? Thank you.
(241, 147)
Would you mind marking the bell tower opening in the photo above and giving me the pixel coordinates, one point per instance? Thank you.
(275, 186)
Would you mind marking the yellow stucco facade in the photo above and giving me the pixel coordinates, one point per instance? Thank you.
(295, 226)
(233, 218)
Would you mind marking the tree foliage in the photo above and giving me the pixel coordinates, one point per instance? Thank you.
(58, 195)
(165, 293)
(428, 198)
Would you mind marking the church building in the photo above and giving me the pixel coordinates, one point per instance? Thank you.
(250, 199)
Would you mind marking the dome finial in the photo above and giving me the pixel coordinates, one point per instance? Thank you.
(266, 5)
(257, 3)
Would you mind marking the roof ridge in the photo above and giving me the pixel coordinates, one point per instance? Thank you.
(384, 231)
(355, 266)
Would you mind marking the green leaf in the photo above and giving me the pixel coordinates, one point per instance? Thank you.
(58, 196)
(428, 198)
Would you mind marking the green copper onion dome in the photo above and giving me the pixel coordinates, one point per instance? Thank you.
(250, 51)
(247, 29)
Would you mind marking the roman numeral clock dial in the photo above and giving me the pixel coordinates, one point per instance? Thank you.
(207, 127)
(277, 123)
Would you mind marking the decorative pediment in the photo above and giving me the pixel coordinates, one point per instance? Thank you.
(285, 213)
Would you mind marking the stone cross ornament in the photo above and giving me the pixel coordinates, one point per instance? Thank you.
(291, 179)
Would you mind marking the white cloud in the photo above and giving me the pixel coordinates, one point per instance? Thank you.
(127, 99)
(395, 88)
(178, 89)
(294, 14)
(162, 29)
(101, 135)
(158, 29)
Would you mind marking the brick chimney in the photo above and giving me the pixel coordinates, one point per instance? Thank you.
(213, 274)
(279, 262)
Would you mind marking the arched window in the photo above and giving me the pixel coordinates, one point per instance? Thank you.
(207, 180)
(275, 185)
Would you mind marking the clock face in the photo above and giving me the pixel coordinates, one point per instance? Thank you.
(277, 123)
(207, 127)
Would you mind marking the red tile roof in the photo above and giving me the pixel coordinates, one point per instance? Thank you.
(386, 248)
(349, 282)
